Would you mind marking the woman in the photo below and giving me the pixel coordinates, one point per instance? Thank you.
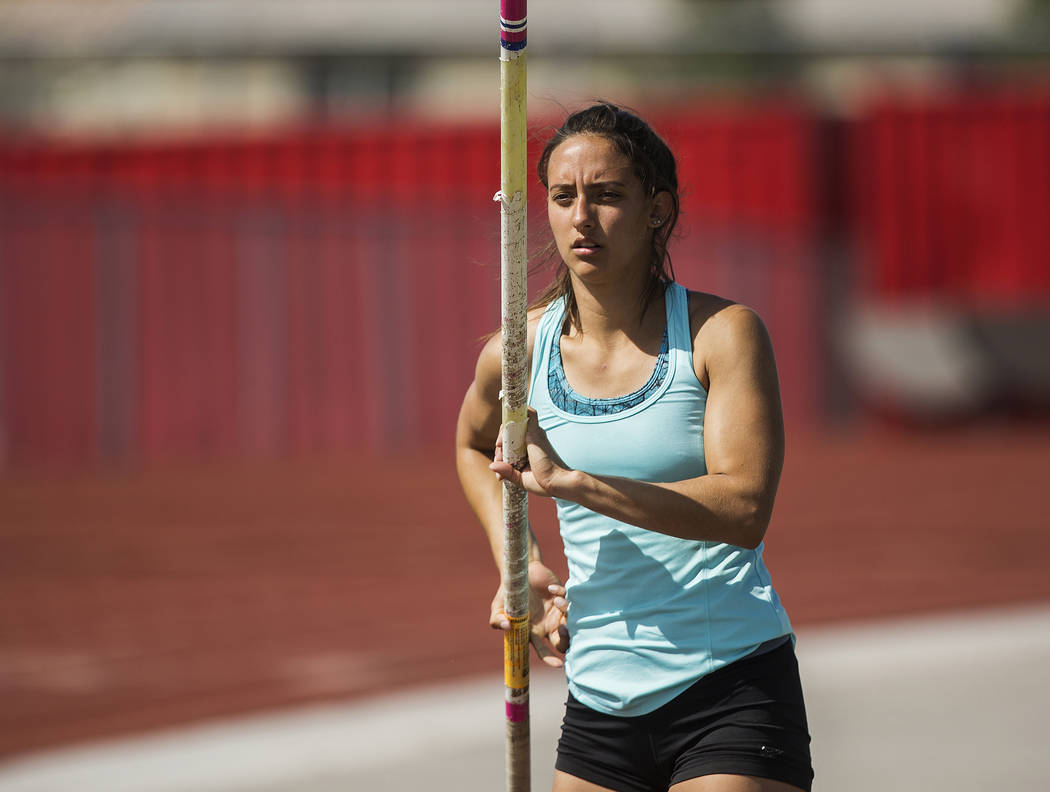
(655, 423)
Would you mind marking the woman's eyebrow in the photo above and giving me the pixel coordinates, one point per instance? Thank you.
(593, 185)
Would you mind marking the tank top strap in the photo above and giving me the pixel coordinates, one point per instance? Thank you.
(680, 337)
(549, 324)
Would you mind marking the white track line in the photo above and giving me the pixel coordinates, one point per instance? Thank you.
(954, 703)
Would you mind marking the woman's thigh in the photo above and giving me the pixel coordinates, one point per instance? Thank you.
(563, 782)
(733, 783)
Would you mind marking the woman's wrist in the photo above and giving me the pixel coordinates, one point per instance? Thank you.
(564, 483)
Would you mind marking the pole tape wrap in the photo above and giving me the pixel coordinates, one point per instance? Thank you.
(516, 654)
(513, 25)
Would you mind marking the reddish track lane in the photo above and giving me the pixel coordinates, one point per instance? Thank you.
(135, 601)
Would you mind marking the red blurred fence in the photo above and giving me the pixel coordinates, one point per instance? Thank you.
(952, 198)
(324, 292)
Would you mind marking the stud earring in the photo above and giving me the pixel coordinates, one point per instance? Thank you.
(657, 221)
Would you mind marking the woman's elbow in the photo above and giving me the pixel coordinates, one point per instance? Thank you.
(753, 522)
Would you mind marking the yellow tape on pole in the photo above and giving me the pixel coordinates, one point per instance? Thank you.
(516, 654)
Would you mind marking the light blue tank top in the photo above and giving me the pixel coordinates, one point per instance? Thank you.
(649, 614)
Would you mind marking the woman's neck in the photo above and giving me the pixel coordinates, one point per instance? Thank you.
(615, 309)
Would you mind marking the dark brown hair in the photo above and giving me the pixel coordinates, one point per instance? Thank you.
(654, 165)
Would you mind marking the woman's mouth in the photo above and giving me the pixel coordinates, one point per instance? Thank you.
(584, 247)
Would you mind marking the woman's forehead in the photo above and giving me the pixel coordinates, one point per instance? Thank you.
(598, 157)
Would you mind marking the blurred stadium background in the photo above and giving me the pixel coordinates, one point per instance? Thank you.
(248, 251)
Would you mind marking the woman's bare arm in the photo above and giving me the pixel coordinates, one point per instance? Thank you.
(743, 444)
(476, 436)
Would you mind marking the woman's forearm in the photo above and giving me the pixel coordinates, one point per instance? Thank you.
(484, 493)
(714, 508)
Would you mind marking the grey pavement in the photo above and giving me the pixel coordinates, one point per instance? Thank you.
(958, 702)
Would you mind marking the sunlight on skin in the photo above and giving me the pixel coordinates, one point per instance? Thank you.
(563, 782)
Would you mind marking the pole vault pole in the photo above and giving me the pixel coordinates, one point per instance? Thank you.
(513, 300)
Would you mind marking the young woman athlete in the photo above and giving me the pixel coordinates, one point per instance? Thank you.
(655, 424)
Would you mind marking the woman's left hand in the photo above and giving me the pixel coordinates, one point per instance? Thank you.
(543, 470)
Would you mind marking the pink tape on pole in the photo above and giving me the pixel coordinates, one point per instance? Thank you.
(513, 20)
(517, 713)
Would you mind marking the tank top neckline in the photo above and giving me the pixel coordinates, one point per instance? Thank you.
(568, 400)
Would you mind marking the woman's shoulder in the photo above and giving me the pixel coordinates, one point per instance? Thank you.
(536, 312)
(722, 327)
(491, 356)
(709, 310)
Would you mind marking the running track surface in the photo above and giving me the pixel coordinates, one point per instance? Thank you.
(131, 601)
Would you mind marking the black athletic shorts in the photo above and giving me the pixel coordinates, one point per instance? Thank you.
(747, 718)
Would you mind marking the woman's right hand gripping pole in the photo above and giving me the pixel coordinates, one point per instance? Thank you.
(548, 609)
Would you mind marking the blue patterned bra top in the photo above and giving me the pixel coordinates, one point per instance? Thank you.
(565, 398)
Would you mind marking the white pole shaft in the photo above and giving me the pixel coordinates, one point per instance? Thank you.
(513, 300)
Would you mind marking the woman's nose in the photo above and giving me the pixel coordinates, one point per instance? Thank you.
(581, 213)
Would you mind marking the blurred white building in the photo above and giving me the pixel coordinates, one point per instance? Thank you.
(143, 65)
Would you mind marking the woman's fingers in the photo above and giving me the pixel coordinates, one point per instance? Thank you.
(498, 621)
(498, 466)
(545, 653)
(497, 616)
(559, 636)
(505, 471)
(562, 643)
(559, 600)
(549, 636)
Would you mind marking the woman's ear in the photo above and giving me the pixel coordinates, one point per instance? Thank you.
(660, 212)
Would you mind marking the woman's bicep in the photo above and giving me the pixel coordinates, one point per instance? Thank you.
(481, 412)
(743, 424)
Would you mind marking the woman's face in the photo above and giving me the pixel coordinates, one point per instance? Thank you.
(600, 215)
